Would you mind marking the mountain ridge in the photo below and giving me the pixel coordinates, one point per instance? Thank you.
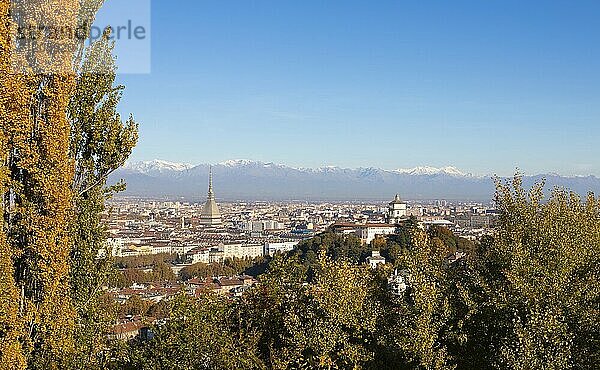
(162, 165)
(257, 180)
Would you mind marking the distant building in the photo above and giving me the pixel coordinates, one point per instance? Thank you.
(218, 253)
(234, 286)
(368, 232)
(273, 248)
(199, 255)
(210, 215)
(437, 221)
(397, 210)
(182, 249)
(241, 250)
(261, 225)
(126, 331)
(375, 259)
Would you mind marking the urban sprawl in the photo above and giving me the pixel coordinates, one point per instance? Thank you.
(212, 233)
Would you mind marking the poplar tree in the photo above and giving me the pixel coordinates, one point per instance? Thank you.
(11, 325)
(100, 143)
(38, 197)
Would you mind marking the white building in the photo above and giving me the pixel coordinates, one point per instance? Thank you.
(199, 255)
(262, 225)
(375, 259)
(241, 250)
(258, 226)
(182, 249)
(368, 232)
(273, 248)
(161, 248)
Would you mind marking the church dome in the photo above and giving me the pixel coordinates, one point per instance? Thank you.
(397, 200)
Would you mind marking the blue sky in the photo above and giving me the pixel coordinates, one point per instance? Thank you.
(486, 86)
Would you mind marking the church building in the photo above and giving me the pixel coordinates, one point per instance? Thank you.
(397, 211)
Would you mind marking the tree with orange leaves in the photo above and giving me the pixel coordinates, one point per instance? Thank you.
(37, 81)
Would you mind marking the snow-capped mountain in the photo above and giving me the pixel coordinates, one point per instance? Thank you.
(156, 165)
(430, 171)
(255, 180)
(239, 162)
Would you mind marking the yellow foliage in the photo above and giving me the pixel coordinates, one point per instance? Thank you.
(36, 183)
(11, 353)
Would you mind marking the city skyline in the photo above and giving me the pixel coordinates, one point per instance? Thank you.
(486, 88)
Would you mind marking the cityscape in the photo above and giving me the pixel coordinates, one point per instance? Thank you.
(209, 233)
(274, 185)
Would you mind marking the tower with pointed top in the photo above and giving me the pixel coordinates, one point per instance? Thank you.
(210, 215)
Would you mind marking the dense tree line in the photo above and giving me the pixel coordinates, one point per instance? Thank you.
(144, 261)
(351, 249)
(157, 273)
(229, 267)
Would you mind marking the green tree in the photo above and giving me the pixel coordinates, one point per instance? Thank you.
(338, 247)
(100, 143)
(201, 333)
(544, 276)
(327, 323)
(421, 330)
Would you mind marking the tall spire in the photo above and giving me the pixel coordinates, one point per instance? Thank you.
(210, 215)
(211, 194)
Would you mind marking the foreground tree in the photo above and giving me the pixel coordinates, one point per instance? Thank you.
(544, 268)
(200, 333)
(423, 328)
(328, 323)
(37, 201)
(53, 167)
(11, 322)
(100, 143)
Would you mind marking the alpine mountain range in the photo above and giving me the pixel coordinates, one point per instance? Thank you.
(255, 180)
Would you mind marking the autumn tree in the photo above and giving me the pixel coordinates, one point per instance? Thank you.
(135, 305)
(544, 272)
(37, 198)
(11, 325)
(328, 323)
(53, 167)
(418, 327)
